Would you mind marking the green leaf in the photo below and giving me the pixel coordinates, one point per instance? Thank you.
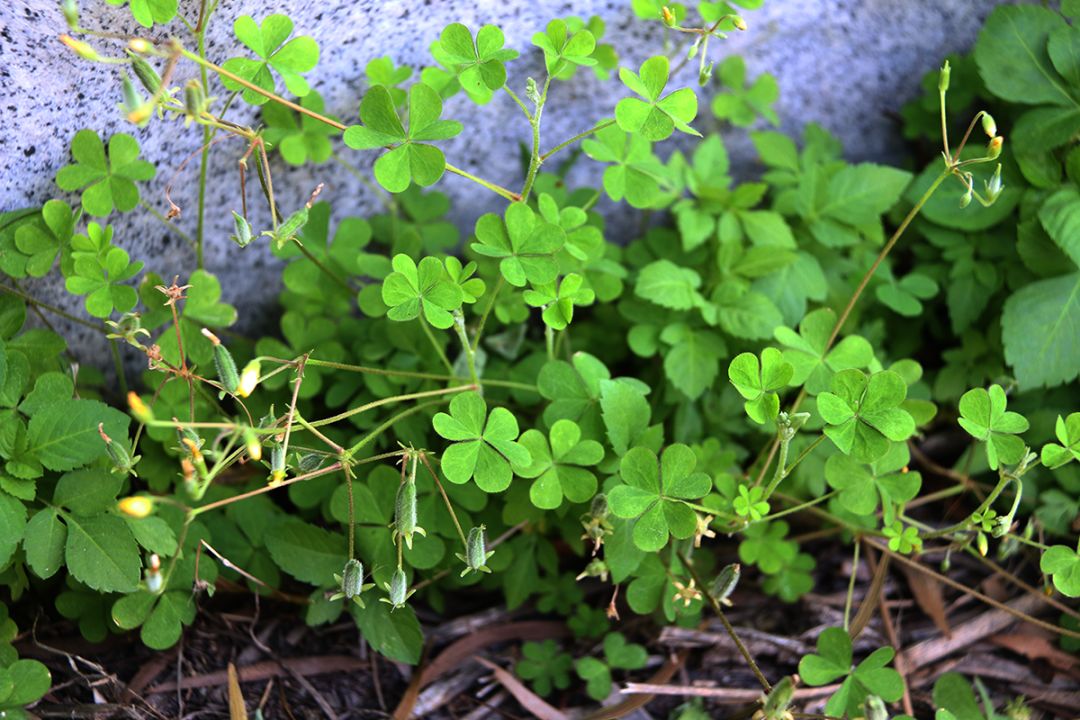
(1011, 53)
(298, 137)
(984, 417)
(148, 12)
(395, 633)
(564, 49)
(1067, 431)
(1040, 328)
(30, 680)
(271, 44)
(12, 526)
(485, 447)
(87, 492)
(864, 414)
(44, 543)
(653, 117)
(742, 105)
(426, 290)
(668, 285)
(1063, 563)
(806, 351)
(635, 173)
(860, 194)
(308, 553)
(758, 382)
(832, 660)
(560, 467)
(101, 553)
(625, 411)
(43, 242)
(478, 64)
(65, 435)
(411, 157)
(525, 243)
(107, 183)
(692, 362)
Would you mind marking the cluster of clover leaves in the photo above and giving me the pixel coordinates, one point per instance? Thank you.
(470, 424)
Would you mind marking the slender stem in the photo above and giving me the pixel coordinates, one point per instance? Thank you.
(322, 266)
(171, 227)
(446, 499)
(364, 441)
(800, 507)
(470, 354)
(352, 509)
(438, 348)
(497, 189)
(580, 136)
(487, 311)
(851, 584)
(520, 103)
(781, 463)
(53, 309)
(388, 400)
(292, 404)
(266, 488)
(120, 375)
(1003, 482)
(727, 625)
(535, 160)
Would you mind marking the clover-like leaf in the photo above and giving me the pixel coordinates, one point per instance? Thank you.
(424, 290)
(618, 653)
(274, 50)
(559, 303)
(864, 414)
(560, 468)
(833, 661)
(478, 62)
(862, 485)
(148, 12)
(758, 382)
(411, 157)
(545, 666)
(653, 492)
(485, 446)
(563, 48)
(1063, 564)
(750, 503)
(634, 173)
(382, 71)
(1067, 431)
(107, 182)
(903, 539)
(298, 137)
(99, 270)
(525, 243)
(764, 545)
(984, 417)
(814, 367)
(741, 105)
(655, 117)
(43, 241)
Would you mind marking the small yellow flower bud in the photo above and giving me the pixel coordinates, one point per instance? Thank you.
(738, 22)
(943, 78)
(83, 50)
(136, 506)
(993, 148)
(668, 16)
(139, 45)
(988, 125)
(249, 379)
(253, 444)
(139, 409)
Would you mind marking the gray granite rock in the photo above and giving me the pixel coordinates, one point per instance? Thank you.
(847, 64)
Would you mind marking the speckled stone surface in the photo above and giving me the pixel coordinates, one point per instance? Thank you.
(847, 64)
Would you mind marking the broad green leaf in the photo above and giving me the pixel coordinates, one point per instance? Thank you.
(101, 553)
(1011, 53)
(1040, 328)
(308, 553)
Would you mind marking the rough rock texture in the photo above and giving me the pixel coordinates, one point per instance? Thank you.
(847, 64)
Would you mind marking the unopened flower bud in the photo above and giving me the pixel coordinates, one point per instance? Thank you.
(249, 379)
(139, 409)
(242, 233)
(705, 74)
(277, 464)
(988, 125)
(252, 444)
(118, 452)
(965, 200)
(994, 186)
(982, 543)
(223, 361)
(779, 698)
(668, 16)
(139, 45)
(738, 22)
(725, 583)
(993, 148)
(70, 9)
(83, 50)
(136, 506)
(943, 78)
(155, 582)
(874, 708)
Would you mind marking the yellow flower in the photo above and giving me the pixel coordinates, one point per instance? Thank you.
(136, 506)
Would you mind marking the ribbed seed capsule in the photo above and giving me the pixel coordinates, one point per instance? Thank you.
(277, 463)
(118, 452)
(352, 579)
(398, 589)
(242, 233)
(725, 583)
(194, 99)
(405, 519)
(145, 72)
(476, 552)
(943, 78)
(226, 366)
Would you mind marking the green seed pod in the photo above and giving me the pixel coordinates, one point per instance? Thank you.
(288, 229)
(476, 548)
(145, 73)
(352, 579)
(398, 589)
(994, 185)
(132, 98)
(943, 78)
(405, 520)
(725, 583)
(226, 366)
(242, 234)
(194, 99)
(277, 463)
(982, 543)
(946, 562)
(988, 125)
(778, 700)
(965, 200)
(118, 452)
(705, 74)
(599, 506)
(70, 8)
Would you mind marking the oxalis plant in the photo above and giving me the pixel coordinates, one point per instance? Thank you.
(536, 411)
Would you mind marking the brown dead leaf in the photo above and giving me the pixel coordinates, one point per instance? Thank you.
(528, 699)
(1038, 647)
(928, 594)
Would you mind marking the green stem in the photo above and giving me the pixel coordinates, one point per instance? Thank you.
(379, 430)
(800, 507)
(322, 267)
(53, 309)
(535, 160)
(206, 64)
(487, 311)
(438, 348)
(389, 400)
(120, 375)
(520, 103)
(580, 136)
(470, 354)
